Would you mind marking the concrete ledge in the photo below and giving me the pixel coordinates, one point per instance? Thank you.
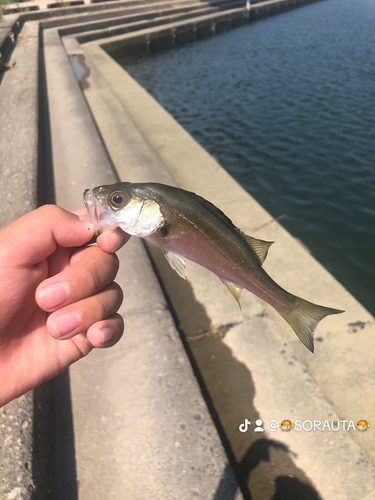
(126, 28)
(153, 434)
(18, 181)
(291, 265)
(123, 19)
(141, 400)
(84, 9)
(198, 28)
(19, 123)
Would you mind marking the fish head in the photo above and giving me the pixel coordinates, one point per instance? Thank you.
(125, 205)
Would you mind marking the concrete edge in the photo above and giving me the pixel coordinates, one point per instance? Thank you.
(193, 168)
(88, 160)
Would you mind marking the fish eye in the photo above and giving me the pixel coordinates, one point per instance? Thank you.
(118, 200)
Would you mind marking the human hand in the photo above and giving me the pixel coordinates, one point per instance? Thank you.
(58, 298)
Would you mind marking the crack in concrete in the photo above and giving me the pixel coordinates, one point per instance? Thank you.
(216, 332)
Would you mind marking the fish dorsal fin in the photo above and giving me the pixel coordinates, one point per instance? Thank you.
(235, 290)
(260, 247)
(176, 262)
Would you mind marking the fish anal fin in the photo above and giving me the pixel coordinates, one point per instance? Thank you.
(176, 262)
(260, 247)
(234, 289)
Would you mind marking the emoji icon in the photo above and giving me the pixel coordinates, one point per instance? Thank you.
(286, 425)
(362, 425)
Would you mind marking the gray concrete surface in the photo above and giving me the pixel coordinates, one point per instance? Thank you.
(19, 125)
(16, 436)
(80, 10)
(123, 19)
(138, 410)
(18, 187)
(122, 27)
(153, 434)
(207, 313)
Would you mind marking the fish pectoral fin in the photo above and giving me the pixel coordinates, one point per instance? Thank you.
(234, 289)
(176, 262)
(260, 247)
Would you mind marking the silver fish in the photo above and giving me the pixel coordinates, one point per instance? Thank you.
(186, 225)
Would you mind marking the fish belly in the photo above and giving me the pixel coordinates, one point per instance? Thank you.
(243, 270)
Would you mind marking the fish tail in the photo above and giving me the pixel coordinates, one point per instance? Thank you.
(304, 318)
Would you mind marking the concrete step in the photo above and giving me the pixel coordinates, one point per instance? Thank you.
(141, 425)
(172, 34)
(107, 23)
(141, 25)
(262, 370)
(86, 9)
(147, 9)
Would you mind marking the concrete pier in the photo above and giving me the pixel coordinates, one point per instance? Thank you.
(158, 416)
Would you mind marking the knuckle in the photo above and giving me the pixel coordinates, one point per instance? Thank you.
(96, 276)
(49, 210)
(109, 300)
(101, 305)
(103, 268)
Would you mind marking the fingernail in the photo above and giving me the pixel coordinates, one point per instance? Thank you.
(107, 334)
(55, 295)
(66, 323)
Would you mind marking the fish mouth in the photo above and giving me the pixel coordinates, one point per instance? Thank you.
(98, 216)
(90, 204)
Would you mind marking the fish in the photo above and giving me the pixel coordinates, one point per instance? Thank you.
(186, 226)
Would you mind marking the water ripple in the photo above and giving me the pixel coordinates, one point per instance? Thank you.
(287, 106)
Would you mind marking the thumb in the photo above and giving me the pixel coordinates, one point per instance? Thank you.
(33, 237)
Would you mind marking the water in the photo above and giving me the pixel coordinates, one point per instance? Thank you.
(287, 106)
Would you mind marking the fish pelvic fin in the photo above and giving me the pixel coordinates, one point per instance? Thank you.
(260, 247)
(304, 319)
(235, 290)
(176, 262)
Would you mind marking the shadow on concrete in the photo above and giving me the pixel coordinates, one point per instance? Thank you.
(46, 183)
(64, 463)
(291, 488)
(264, 468)
(42, 470)
(53, 465)
(286, 487)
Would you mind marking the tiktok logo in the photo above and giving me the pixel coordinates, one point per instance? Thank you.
(243, 427)
(258, 425)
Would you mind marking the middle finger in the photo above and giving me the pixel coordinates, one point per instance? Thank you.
(91, 271)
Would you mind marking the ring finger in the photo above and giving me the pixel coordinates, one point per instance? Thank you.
(79, 316)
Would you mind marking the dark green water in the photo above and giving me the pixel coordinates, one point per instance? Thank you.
(287, 106)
